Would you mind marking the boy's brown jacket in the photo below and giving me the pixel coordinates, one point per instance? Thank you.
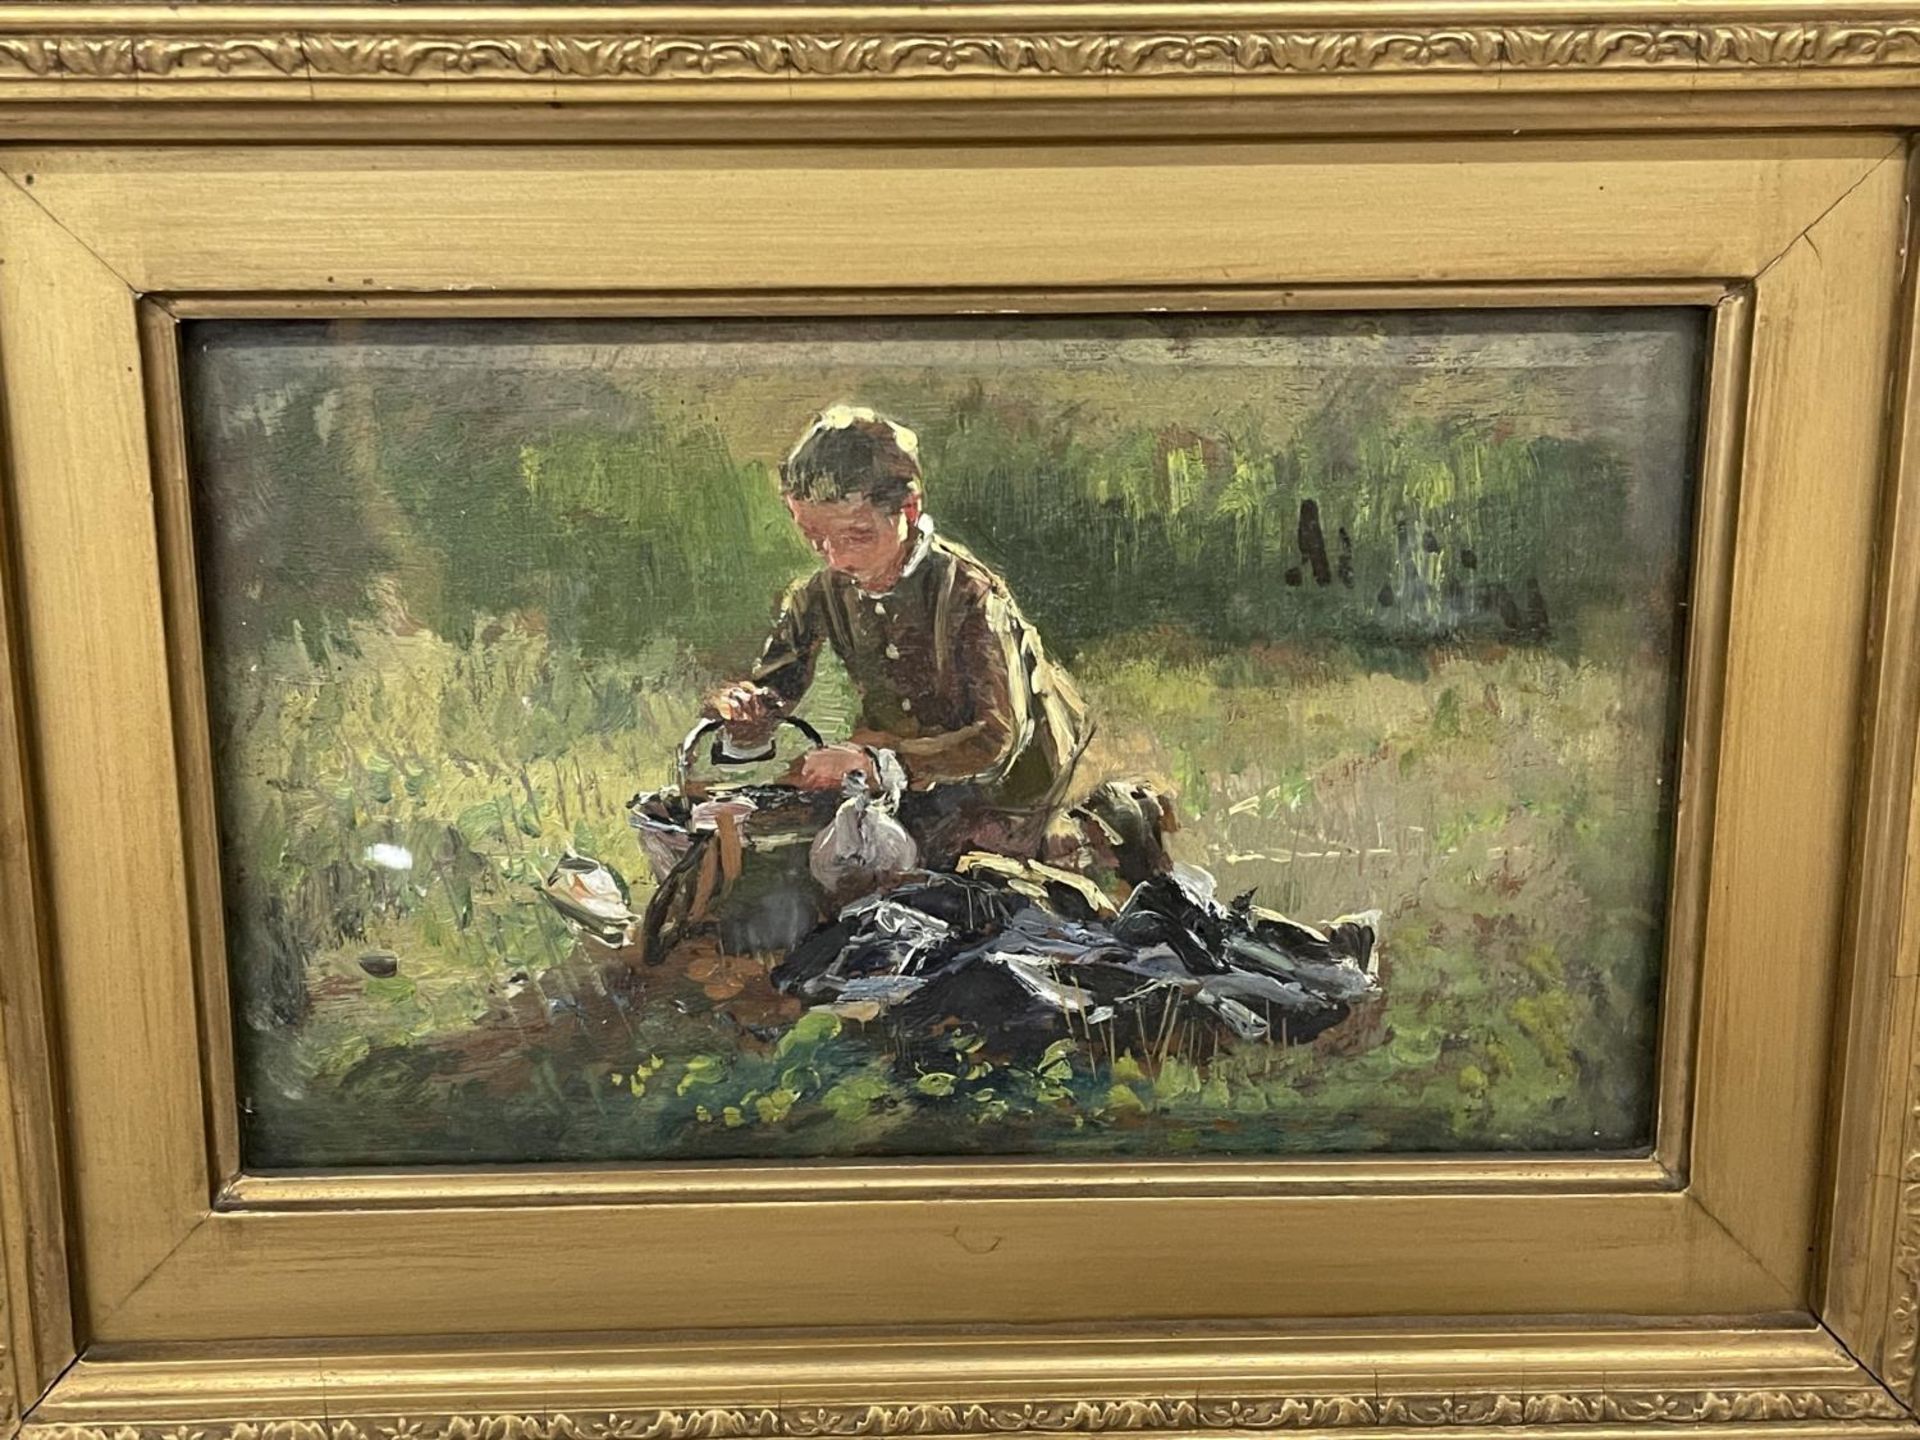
(950, 675)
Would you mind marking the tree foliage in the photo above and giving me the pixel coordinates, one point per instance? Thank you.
(616, 527)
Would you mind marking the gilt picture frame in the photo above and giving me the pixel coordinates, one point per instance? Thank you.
(1752, 1267)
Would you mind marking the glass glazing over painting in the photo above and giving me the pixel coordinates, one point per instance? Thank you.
(1232, 734)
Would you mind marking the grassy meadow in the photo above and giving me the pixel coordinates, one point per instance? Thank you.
(1464, 802)
(454, 627)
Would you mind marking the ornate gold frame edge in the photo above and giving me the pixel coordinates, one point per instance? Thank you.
(1865, 1402)
(644, 45)
(62, 60)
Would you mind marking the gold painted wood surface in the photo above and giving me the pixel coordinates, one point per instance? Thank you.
(567, 73)
(248, 49)
(1806, 220)
(264, 220)
(1794, 462)
(36, 1324)
(1126, 1379)
(89, 607)
(1872, 1279)
(1032, 152)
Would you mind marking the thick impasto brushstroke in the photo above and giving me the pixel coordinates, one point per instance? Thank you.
(1365, 613)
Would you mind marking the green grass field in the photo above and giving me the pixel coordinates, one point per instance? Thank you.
(1492, 803)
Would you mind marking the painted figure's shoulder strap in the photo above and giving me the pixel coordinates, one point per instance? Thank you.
(965, 569)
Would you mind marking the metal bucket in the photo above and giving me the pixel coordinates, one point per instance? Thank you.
(731, 856)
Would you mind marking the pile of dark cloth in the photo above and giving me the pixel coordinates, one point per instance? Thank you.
(1021, 952)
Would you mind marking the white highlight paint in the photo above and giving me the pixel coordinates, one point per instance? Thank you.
(390, 857)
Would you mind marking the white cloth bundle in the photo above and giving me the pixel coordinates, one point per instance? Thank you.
(865, 848)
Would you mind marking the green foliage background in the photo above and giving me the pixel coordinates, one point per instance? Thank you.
(468, 612)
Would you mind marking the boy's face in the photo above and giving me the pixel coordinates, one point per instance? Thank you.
(867, 543)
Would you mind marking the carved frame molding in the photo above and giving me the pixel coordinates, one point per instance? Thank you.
(61, 53)
(1863, 1403)
(102, 44)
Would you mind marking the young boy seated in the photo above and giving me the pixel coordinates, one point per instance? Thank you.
(951, 677)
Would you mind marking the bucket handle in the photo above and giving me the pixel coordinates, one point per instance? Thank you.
(716, 755)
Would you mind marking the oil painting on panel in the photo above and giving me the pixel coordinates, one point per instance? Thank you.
(1137, 735)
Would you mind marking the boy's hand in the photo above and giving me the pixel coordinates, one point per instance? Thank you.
(745, 704)
(826, 767)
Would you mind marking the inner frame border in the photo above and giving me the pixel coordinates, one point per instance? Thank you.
(1717, 462)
